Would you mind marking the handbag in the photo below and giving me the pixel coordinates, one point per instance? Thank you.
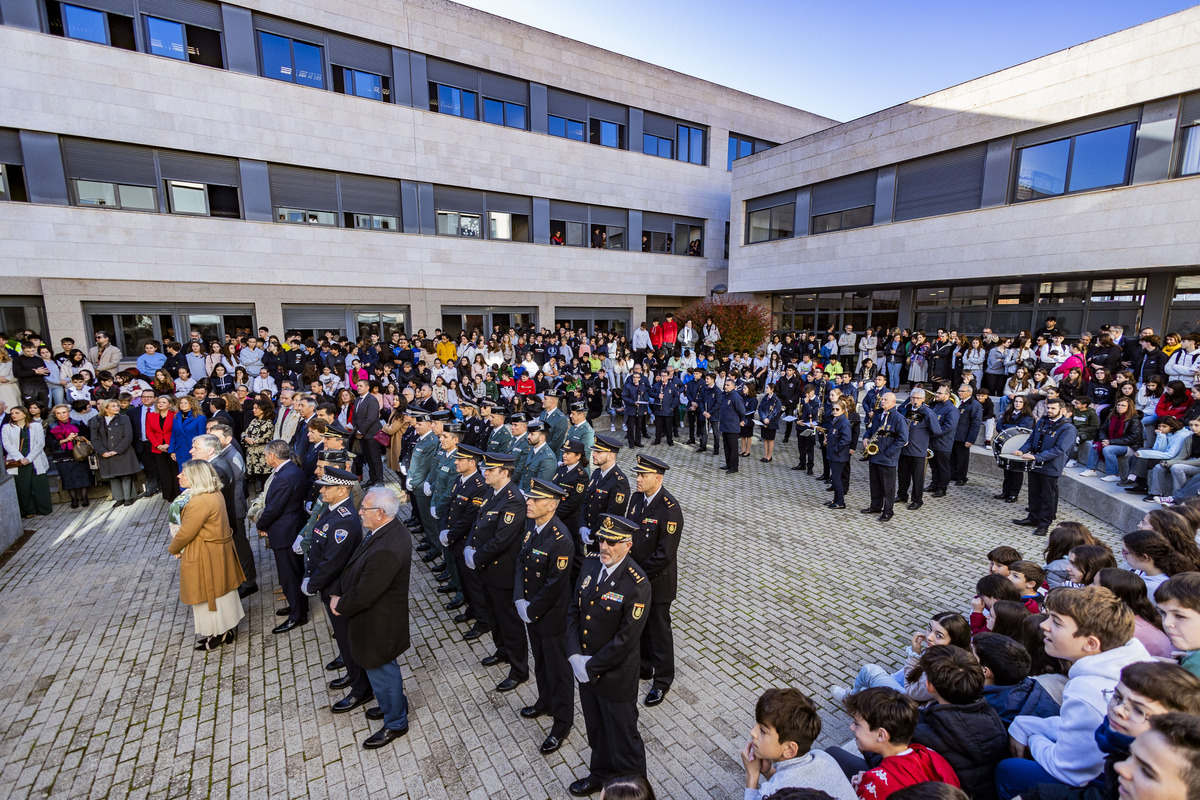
(383, 438)
(83, 448)
(11, 463)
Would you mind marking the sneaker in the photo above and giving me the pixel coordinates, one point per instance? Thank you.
(1111, 479)
(838, 693)
(1088, 473)
(1072, 463)
(1166, 501)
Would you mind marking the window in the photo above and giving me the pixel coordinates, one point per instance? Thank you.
(113, 195)
(452, 223)
(498, 112)
(566, 128)
(1119, 290)
(607, 134)
(507, 227)
(739, 148)
(657, 146)
(372, 222)
(184, 42)
(1088, 161)
(572, 234)
(293, 61)
(84, 24)
(89, 25)
(452, 100)
(657, 242)
(12, 183)
(689, 239)
(1053, 293)
(844, 220)
(691, 144)
(300, 216)
(612, 237)
(199, 199)
(773, 223)
(1189, 164)
(361, 84)
(166, 38)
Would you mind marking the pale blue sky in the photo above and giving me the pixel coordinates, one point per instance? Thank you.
(839, 59)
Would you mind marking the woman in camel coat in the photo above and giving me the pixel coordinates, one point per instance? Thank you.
(209, 572)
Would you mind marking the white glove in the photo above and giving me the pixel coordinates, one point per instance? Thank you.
(469, 557)
(427, 489)
(579, 667)
(404, 471)
(433, 509)
(407, 482)
(586, 535)
(307, 509)
(304, 587)
(444, 538)
(523, 610)
(297, 546)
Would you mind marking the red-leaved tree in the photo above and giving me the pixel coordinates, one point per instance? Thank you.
(743, 325)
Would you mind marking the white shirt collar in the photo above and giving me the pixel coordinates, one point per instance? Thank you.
(608, 572)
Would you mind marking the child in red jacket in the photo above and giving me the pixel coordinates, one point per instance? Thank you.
(884, 721)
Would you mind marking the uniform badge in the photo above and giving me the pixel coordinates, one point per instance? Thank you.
(345, 512)
(586, 580)
(509, 517)
(620, 498)
(340, 535)
(672, 527)
(478, 501)
(608, 523)
(562, 562)
(579, 487)
(638, 608)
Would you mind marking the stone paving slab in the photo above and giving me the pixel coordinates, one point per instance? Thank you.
(103, 696)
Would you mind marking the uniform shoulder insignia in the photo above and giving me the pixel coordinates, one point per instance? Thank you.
(638, 608)
(579, 487)
(345, 512)
(477, 501)
(620, 497)
(669, 501)
(637, 576)
(340, 535)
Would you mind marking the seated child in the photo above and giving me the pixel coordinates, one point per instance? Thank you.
(1164, 761)
(1147, 622)
(945, 628)
(1000, 558)
(960, 725)
(1146, 690)
(1028, 577)
(989, 589)
(1091, 628)
(1179, 603)
(1007, 686)
(779, 753)
(1064, 537)
(883, 725)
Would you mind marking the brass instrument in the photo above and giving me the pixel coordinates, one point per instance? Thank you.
(928, 454)
(820, 419)
(873, 445)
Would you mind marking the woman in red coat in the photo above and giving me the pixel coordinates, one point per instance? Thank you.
(1175, 401)
(158, 433)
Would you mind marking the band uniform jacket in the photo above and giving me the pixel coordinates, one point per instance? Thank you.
(605, 622)
(943, 440)
(840, 439)
(372, 595)
(664, 399)
(465, 502)
(1052, 443)
(607, 493)
(893, 437)
(920, 431)
(335, 536)
(656, 542)
(544, 575)
(970, 419)
(573, 481)
(496, 536)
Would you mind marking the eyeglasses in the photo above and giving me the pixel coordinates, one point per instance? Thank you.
(1115, 700)
(367, 508)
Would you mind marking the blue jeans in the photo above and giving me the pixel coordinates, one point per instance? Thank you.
(893, 373)
(1016, 775)
(872, 675)
(387, 681)
(1111, 454)
(1002, 403)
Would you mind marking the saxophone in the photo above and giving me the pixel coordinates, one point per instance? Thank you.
(872, 447)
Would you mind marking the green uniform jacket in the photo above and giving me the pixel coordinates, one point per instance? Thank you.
(500, 440)
(541, 464)
(442, 480)
(556, 423)
(583, 432)
(421, 463)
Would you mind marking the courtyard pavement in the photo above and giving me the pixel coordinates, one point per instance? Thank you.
(103, 696)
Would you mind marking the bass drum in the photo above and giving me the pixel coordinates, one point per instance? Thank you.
(1008, 442)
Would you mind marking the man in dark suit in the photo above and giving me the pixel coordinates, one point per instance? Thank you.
(232, 473)
(366, 425)
(300, 442)
(372, 594)
(141, 446)
(282, 518)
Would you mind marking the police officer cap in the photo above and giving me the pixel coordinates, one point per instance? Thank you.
(552, 393)
(544, 490)
(536, 425)
(444, 415)
(466, 451)
(492, 460)
(520, 416)
(419, 415)
(615, 529)
(579, 406)
(336, 456)
(573, 446)
(608, 444)
(468, 404)
(336, 431)
(650, 464)
(337, 477)
(452, 427)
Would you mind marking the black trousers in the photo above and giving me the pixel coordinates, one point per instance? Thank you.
(612, 733)
(805, 445)
(167, 473)
(658, 646)
(960, 459)
(940, 478)
(883, 486)
(730, 441)
(664, 426)
(716, 434)
(290, 567)
(820, 447)
(911, 469)
(241, 546)
(1043, 498)
(508, 631)
(633, 430)
(373, 455)
(1013, 479)
(840, 472)
(471, 586)
(692, 418)
(644, 421)
(360, 684)
(555, 680)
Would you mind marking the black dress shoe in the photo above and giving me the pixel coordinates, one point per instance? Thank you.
(585, 786)
(454, 605)
(423, 547)
(462, 617)
(1137, 489)
(288, 625)
(900, 498)
(439, 566)
(961, 482)
(656, 696)
(1001, 496)
(430, 557)
(493, 660)
(1010, 499)
(871, 511)
(914, 506)
(797, 468)
(383, 736)
(283, 612)
(472, 635)
(939, 493)
(551, 744)
(246, 591)
(340, 683)
(337, 663)
(350, 702)
(835, 506)
(446, 589)
(1040, 530)
(885, 517)
(508, 684)
(533, 712)
(375, 713)
(1028, 522)
(829, 488)
(442, 577)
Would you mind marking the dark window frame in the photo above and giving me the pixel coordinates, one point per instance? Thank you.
(771, 226)
(566, 134)
(1130, 149)
(262, 59)
(435, 102)
(841, 216)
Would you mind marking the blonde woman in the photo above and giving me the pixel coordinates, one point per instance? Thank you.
(112, 436)
(209, 572)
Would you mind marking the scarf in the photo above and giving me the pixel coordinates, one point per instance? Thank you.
(1116, 429)
(61, 431)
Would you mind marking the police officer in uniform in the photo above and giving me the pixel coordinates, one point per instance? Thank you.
(466, 499)
(922, 424)
(540, 461)
(334, 540)
(660, 524)
(571, 476)
(581, 430)
(1050, 445)
(492, 552)
(554, 420)
(608, 490)
(519, 445)
(604, 625)
(442, 479)
(541, 596)
(499, 436)
(420, 468)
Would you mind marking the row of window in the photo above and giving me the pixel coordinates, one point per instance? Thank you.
(298, 60)
(183, 197)
(949, 182)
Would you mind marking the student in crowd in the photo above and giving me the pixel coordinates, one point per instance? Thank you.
(779, 753)
(1028, 577)
(1007, 685)
(1178, 602)
(989, 589)
(946, 628)
(1064, 537)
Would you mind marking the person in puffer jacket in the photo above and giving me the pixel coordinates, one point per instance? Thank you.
(1146, 689)
(1007, 687)
(1091, 628)
(959, 724)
